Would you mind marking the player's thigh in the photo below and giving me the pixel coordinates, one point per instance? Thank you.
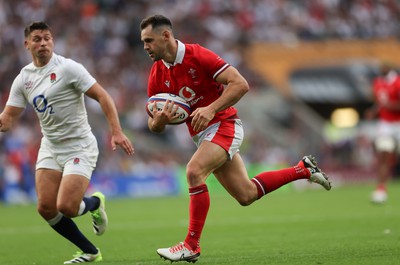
(71, 192)
(206, 159)
(47, 182)
(234, 178)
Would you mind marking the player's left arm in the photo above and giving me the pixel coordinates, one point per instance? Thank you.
(98, 93)
(236, 88)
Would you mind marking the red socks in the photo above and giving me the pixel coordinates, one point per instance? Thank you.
(198, 209)
(381, 187)
(267, 182)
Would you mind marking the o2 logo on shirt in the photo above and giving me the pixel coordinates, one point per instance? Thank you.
(40, 104)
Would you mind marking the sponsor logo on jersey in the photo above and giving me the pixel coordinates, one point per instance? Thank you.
(187, 93)
(28, 85)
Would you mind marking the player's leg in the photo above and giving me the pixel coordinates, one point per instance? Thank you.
(385, 161)
(385, 147)
(94, 203)
(234, 177)
(69, 203)
(67, 196)
(79, 160)
(48, 185)
(206, 159)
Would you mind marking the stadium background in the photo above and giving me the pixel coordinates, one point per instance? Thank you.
(303, 60)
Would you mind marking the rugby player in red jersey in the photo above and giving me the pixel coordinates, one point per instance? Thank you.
(212, 87)
(386, 91)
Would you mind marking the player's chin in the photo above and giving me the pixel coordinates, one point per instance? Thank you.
(153, 57)
(43, 54)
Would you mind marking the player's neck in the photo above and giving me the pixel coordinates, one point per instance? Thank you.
(171, 53)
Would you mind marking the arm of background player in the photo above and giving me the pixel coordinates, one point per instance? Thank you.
(236, 88)
(107, 104)
(8, 116)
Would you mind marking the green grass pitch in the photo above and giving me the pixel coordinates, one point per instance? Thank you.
(286, 227)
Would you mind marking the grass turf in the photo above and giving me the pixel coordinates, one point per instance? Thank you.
(286, 227)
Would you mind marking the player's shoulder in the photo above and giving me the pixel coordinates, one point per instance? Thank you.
(198, 52)
(68, 65)
(27, 68)
(61, 60)
(26, 72)
(194, 48)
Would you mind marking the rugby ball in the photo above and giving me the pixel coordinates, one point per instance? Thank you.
(160, 99)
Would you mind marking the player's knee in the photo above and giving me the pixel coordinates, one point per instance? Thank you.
(193, 175)
(245, 201)
(67, 209)
(47, 211)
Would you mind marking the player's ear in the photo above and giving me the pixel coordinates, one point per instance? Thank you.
(166, 34)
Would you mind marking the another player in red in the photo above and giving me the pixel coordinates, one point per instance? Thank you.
(386, 90)
(212, 87)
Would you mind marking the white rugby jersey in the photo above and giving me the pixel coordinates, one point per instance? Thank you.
(55, 91)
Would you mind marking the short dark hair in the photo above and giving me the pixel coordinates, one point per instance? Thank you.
(155, 21)
(37, 25)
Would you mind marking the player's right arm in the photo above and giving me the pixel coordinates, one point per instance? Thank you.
(8, 116)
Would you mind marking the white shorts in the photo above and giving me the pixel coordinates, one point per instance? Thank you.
(74, 156)
(388, 136)
(227, 133)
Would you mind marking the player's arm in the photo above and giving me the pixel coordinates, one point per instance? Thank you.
(236, 88)
(98, 93)
(8, 116)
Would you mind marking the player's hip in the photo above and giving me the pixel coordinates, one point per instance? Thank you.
(227, 133)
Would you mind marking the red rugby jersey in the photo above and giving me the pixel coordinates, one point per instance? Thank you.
(192, 77)
(387, 89)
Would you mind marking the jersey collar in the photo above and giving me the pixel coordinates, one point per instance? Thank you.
(179, 55)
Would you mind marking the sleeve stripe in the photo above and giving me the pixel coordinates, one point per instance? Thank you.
(220, 70)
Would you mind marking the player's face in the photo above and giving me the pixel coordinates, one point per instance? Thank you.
(40, 44)
(153, 43)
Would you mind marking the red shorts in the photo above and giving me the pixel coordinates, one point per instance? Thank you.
(227, 133)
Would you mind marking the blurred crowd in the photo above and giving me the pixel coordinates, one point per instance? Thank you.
(104, 36)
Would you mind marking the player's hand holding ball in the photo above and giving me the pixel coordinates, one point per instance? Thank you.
(168, 108)
(166, 113)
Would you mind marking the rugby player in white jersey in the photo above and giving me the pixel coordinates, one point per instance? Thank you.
(55, 87)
